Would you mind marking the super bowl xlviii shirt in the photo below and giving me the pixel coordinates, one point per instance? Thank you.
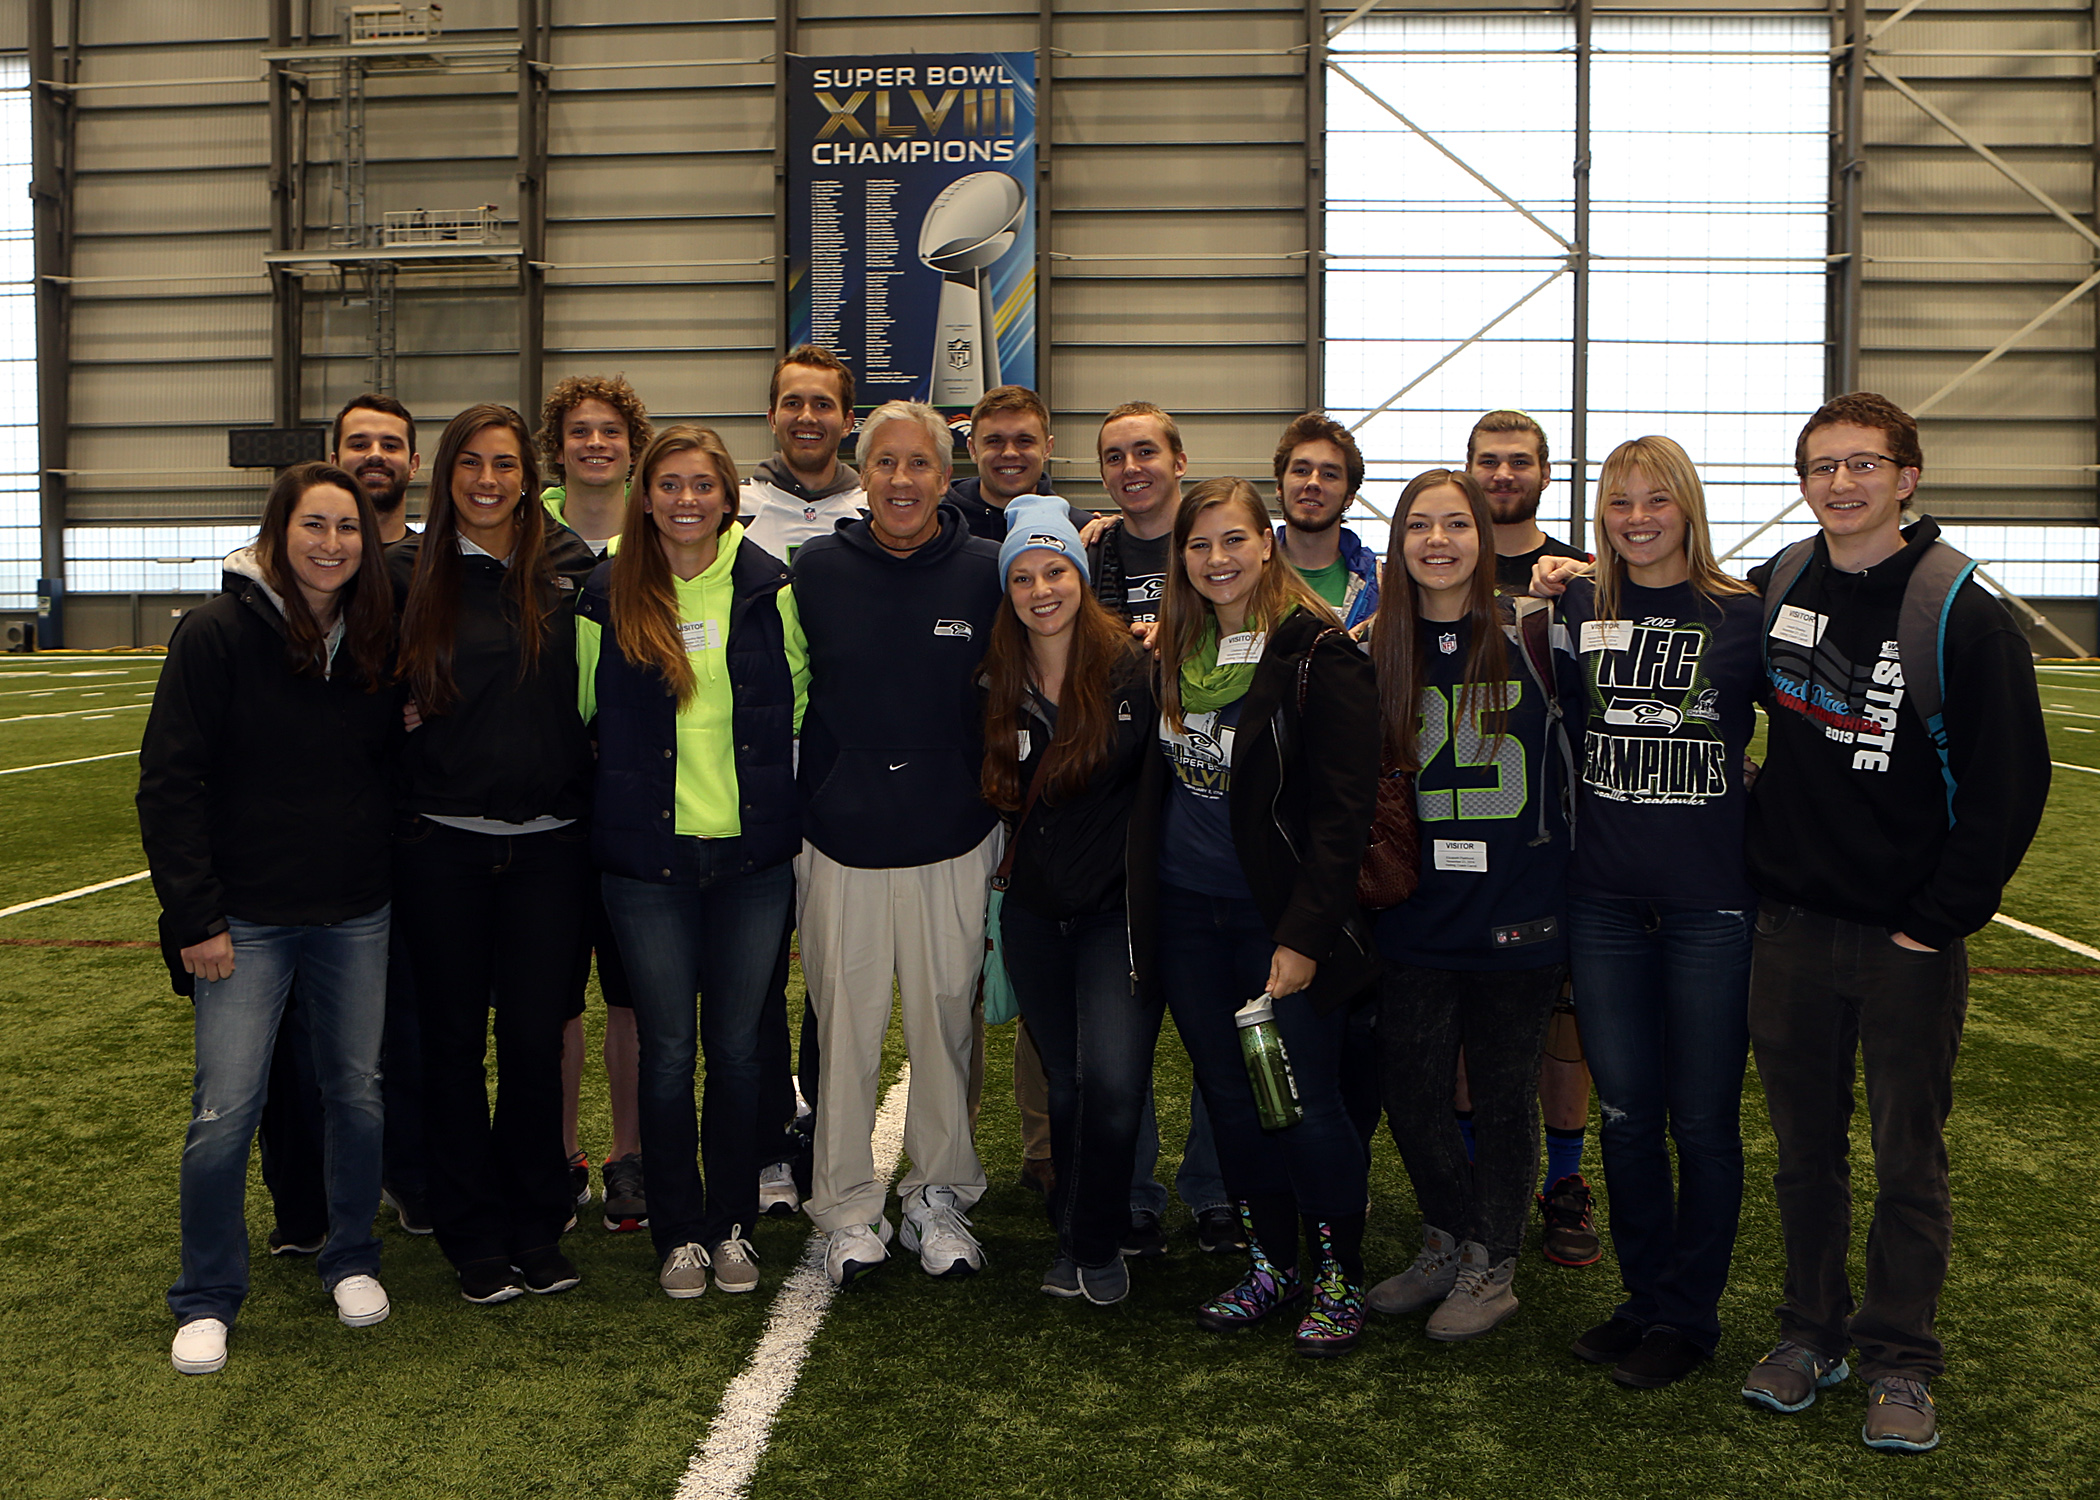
(1196, 848)
(1665, 713)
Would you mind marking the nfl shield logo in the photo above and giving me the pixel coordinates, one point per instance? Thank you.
(960, 354)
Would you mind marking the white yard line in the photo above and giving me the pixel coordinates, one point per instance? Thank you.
(86, 890)
(2068, 713)
(52, 765)
(722, 1466)
(2064, 765)
(2068, 944)
(77, 712)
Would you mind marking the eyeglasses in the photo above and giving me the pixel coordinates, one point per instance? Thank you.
(1858, 463)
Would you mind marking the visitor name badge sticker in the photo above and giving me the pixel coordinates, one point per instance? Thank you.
(1469, 855)
(1801, 627)
(1025, 743)
(1606, 635)
(1243, 649)
(700, 635)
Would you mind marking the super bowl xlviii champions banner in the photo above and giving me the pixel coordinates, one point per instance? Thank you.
(911, 221)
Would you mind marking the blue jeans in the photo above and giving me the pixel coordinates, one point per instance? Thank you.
(1666, 1028)
(1214, 954)
(341, 970)
(1096, 1038)
(1197, 1179)
(709, 936)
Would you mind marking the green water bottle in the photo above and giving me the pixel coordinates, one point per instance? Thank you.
(1268, 1065)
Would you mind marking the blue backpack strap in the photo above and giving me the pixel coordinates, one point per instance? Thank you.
(1921, 641)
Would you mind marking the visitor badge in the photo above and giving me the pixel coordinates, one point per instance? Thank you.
(1470, 855)
(701, 635)
(1803, 627)
(1026, 742)
(1606, 635)
(1243, 649)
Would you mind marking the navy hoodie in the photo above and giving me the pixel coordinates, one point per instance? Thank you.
(893, 738)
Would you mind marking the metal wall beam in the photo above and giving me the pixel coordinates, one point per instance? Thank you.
(1315, 207)
(287, 292)
(533, 89)
(1579, 393)
(50, 126)
(786, 23)
(1045, 55)
(1847, 194)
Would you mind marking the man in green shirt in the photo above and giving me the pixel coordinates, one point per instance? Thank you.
(1318, 472)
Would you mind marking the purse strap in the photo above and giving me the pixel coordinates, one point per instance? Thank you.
(1035, 790)
(1305, 661)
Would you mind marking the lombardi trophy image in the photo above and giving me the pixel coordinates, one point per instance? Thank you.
(970, 225)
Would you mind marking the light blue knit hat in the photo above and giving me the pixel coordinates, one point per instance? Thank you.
(1040, 521)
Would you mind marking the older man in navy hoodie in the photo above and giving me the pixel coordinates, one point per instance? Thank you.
(897, 607)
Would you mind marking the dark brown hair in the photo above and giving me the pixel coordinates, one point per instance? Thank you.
(1314, 427)
(816, 359)
(644, 598)
(366, 602)
(430, 620)
(568, 394)
(1396, 632)
(370, 401)
(1086, 727)
(1865, 409)
(1006, 398)
(1507, 421)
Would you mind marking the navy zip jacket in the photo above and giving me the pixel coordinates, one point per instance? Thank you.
(988, 520)
(893, 734)
(632, 816)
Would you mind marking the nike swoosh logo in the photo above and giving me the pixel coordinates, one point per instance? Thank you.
(900, 765)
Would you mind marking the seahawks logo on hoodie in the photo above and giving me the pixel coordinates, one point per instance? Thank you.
(957, 629)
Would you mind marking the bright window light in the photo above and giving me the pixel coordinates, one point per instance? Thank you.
(150, 559)
(19, 549)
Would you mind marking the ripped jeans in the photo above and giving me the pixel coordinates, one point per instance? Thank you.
(1663, 998)
(341, 969)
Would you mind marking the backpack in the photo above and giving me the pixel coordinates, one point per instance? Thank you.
(1921, 629)
(1534, 639)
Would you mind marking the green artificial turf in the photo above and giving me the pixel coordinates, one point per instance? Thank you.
(981, 1387)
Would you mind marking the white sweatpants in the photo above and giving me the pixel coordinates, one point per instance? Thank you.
(923, 926)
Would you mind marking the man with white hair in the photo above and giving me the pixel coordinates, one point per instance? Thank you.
(897, 844)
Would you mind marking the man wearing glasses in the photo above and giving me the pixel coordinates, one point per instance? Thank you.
(1875, 852)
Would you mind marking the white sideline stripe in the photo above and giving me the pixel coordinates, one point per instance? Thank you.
(52, 765)
(722, 1466)
(114, 708)
(2013, 922)
(2064, 765)
(86, 890)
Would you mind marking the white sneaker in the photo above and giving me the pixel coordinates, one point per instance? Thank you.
(360, 1301)
(777, 1198)
(200, 1347)
(856, 1250)
(938, 1230)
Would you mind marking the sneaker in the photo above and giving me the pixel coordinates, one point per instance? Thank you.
(1663, 1357)
(735, 1263)
(939, 1231)
(580, 1178)
(490, 1281)
(684, 1272)
(1038, 1175)
(1062, 1279)
(200, 1347)
(1263, 1290)
(851, 1253)
(1900, 1418)
(1425, 1283)
(1787, 1379)
(545, 1270)
(409, 1209)
(777, 1198)
(286, 1244)
(626, 1209)
(1104, 1286)
(360, 1301)
(1482, 1297)
(1335, 1322)
(1608, 1343)
(1218, 1231)
(1571, 1233)
(1144, 1237)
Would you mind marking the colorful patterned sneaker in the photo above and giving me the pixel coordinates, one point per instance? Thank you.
(1336, 1320)
(1571, 1232)
(1787, 1379)
(1263, 1290)
(626, 1208)
(1900, 1418)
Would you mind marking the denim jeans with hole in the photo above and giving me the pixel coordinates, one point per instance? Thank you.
(699, 956)
(1096, 1037)
(1665, 1025)
(341, 970)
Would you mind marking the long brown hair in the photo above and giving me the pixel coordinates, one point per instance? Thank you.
(1668, 468)
(431, 619)
(365, 604)
(1086, 725)
(644, 598)
(1396, 632)
(1185, 611)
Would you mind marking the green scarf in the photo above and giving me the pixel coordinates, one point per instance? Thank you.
(1206, 686)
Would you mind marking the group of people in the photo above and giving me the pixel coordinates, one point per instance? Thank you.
(682, 719)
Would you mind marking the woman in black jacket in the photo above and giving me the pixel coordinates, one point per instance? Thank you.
(1068, 726)
(492, 861)
(264, 805)
(1254, 820)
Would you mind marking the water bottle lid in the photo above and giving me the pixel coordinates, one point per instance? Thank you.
(1256, 1011)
